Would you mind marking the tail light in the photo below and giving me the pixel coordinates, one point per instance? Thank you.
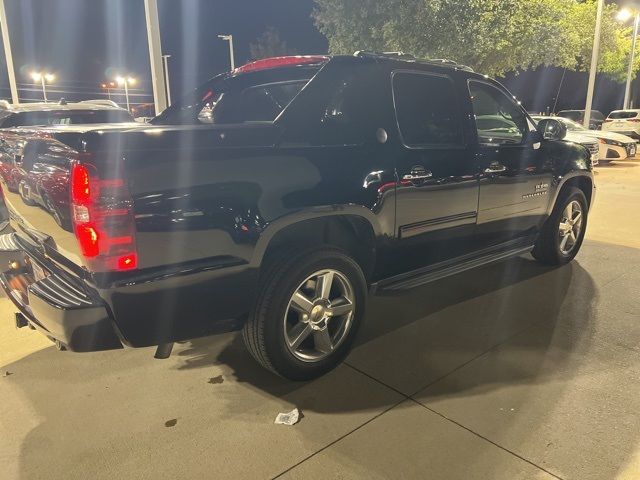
(608, 120)
(634, 120)
(103, 221)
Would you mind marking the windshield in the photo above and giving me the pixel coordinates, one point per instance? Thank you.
(572, 126)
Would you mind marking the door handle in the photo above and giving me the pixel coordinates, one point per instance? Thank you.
(495, 167)
(418, 174)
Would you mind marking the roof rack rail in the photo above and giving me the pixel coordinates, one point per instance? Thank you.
(392, 55)
(410, 58)
(446, 61)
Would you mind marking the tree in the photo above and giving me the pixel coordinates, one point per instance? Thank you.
(269, 44)
(491, 36)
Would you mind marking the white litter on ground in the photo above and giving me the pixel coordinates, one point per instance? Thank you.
(290, 418)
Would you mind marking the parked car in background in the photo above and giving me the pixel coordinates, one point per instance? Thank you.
(37, 183)
(62, 113)
(587, 141)
(612, 146)
(626, 122)
(595, 121)
(315, 180)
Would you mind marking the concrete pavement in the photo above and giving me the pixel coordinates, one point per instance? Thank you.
(511, 371)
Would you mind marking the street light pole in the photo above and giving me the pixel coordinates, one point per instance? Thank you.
(126, 81)
(627, 90)
(229, 38)
(44, 89)
(7, 54)
(594, 65)
(155, 55)
(43, 78)
(165, 61)
(126, 95)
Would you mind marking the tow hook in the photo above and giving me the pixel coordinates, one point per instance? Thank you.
(163, 351)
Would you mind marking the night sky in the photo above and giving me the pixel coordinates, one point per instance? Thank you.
(88, 42)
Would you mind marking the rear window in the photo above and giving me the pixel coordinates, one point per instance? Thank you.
(622, 115)
(257, 96)
(572, 115)
(66, 117)
(259, 103)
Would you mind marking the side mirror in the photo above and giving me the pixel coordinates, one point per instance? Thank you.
(552, 129)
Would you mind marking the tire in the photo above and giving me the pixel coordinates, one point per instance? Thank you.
(276, 318)
(551, 247)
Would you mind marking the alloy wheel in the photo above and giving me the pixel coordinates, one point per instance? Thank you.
(570, 227)
(319, 315)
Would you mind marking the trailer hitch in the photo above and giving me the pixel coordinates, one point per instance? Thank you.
(163, 351)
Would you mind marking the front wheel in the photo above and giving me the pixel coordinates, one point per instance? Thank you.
(307, 313)
(562, 234)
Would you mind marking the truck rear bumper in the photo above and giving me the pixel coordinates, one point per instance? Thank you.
(56, 304)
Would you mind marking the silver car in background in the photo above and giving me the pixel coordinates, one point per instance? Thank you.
(579, 136)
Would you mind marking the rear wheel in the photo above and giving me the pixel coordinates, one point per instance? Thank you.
(563, 232)
(307, 313)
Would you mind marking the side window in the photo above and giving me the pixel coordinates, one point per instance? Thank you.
(498, 119)
(426, 108)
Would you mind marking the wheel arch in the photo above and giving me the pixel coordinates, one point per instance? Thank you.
(354, 232)
(580, 180)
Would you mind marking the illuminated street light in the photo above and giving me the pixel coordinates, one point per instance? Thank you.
(229, 38)
(126, 82)
(108, 87)
(43, 78)
(624, 15)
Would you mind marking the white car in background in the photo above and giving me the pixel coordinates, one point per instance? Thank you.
(626, 122)
(578, 136)
(613, 146)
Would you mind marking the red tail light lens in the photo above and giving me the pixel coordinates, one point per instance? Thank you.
(102, 211)
(608, 120)
(634, 120)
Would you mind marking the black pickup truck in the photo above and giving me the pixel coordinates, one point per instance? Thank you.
(276, 197)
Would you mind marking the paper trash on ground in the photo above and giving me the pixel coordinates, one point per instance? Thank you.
(290, 418)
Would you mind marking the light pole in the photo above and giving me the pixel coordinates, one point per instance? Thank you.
(165, 62)
(594, 65)
(624, 15)
(126, 81)
(108, 87)
(229, 38)
(4, 25)
(43, 77)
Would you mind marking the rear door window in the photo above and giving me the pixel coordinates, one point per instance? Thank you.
(427, 110)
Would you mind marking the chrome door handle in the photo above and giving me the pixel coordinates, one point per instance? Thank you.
(495, 167)
(418, 173)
